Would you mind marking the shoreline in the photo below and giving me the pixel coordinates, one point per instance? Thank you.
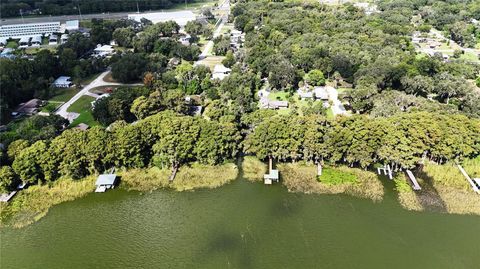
(33, 203)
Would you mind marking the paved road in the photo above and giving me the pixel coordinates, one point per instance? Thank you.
(64, 18)
(62, 111)
(221, 22)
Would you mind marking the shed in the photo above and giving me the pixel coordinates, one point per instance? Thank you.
(272, 177)
(62, 82)
(105, 181)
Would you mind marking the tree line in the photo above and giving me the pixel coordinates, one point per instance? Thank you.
(169, 140)
(11, 8)
(373, 52)
(402, 141)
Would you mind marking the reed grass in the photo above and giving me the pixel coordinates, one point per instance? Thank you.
(31, 204)
(187, 178)
(444, 188)
(253, 168)
(300, 177)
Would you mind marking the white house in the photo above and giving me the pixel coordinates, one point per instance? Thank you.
(64, 38)
(103, 51)
(52, 39)
(23, 43)
(220, 72)
(36, 40)
(62, 82)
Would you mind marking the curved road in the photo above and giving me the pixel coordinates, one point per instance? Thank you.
(98, 82)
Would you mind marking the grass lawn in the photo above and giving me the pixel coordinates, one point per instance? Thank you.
(63, 95)
(211, 61)
(278, 95)
(109, 78)
(81, 105)
(51, 106)
(469, 57)
(12, 44)
(35, 50)
(89, 79)
(330, 114)
(85, 117)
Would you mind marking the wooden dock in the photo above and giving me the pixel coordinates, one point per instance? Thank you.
(464, 173)
(6, 197)
(415, 186)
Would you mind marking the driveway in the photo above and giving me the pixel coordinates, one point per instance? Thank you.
(98, 82)
(337, 106)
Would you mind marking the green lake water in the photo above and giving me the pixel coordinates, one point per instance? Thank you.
(241, 225)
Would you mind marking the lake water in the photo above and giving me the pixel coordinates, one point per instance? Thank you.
(241, 225)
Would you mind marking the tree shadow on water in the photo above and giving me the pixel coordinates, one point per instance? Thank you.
(428, 197)
(230, 244)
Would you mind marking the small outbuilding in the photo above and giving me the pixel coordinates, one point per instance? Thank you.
(62, 82)
(272, 177)
(105, 181)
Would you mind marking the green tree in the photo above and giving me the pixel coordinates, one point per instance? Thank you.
(28, 164)
(124, 36)
(7, 178)
(177, 143)
(315, 78)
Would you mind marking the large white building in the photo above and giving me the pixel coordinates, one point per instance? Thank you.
(29, 29)
(180, 17)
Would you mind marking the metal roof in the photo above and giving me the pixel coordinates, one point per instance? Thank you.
(106, 179)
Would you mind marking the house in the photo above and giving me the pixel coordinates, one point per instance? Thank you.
(103, 51)
(64, 38)
(268, 104)
(185, 39)
(3, 41)
(29, 108)
(321, 92)
(272, 177)
(304, 93)
(220, 72)
(105, 181)
(24, 41)
(7, 53)
(173, 62)
(53, 40)
(36, 40)
(62, 82)
(318, 93)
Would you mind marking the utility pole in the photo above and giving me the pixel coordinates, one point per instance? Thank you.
(79, 11)
(21, 14)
